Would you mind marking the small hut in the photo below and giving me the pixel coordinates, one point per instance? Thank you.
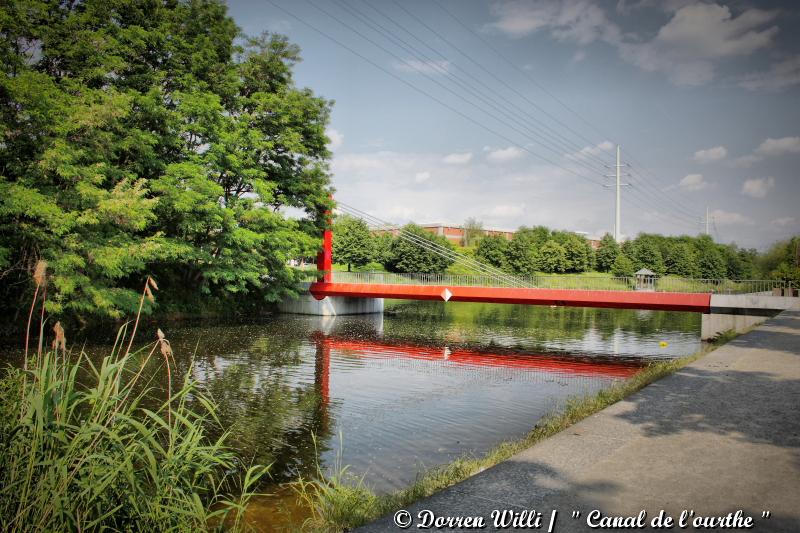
(645, 280)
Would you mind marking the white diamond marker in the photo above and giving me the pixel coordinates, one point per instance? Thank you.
(446, 294)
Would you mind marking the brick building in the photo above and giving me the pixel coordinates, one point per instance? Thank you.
(453, 233)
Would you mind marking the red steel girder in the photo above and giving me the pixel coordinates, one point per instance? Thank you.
(659, 301)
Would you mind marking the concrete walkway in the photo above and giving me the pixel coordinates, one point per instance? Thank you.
(720, 435)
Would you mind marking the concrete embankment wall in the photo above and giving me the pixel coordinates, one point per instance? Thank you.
(739, 312)
(306, 304)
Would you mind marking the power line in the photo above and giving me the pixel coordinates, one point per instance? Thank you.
(530, 78)
(427, 94)
(458, 95)
(434, 247)
(571, 144)
(499, 104)
(544, 89)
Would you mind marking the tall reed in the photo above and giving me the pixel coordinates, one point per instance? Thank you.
(87, 446)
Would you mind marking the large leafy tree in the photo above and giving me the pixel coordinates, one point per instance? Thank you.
(623, 266)
(578, 251)
(408, 256)
(522, 253)
(710, 262)
(607, 253)
(492, 250)
(352, 242)
(646, 254)
(681, 260)
(553, 257)
(143, 137)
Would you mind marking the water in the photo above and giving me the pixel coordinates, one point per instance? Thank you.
(425, 383)
(393, 395)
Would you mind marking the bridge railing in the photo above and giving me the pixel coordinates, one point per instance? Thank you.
(600, 283)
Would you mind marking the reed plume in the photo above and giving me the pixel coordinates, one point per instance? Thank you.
(40, 277)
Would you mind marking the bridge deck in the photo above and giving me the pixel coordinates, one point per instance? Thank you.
(665, 301)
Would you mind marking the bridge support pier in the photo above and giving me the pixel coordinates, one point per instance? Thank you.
(306, 304)
(740, 312)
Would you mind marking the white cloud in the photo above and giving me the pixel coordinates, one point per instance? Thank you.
(578, 21)
(421, 177)
(709, 155)
(770, 147)
(335, 137)
(458, 158)
(782, 74)
(693, 182)
(746, 160)
(784, 222)
(597, 149)
(757, 187)
(698, 35)
(686, 48)
(506, 211)
(785, 145)
(505, 154)
(579, 56)
(727, 218)
(423, 67)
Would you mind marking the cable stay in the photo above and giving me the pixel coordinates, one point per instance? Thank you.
(482, 268)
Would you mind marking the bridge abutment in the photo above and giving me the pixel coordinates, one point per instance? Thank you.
(740, 312)
(306, 304)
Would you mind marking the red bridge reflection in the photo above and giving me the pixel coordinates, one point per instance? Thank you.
(574, 366)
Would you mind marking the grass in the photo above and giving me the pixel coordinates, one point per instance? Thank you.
(340, 502)
(90, 447)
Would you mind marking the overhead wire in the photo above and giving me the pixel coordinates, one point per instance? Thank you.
(544, 90)
(454, 93)
(499, 80)
(433, 247)
(509, 108)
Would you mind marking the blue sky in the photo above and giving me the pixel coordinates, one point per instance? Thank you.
(506, 111)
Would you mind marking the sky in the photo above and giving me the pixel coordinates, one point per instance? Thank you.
(509, 111)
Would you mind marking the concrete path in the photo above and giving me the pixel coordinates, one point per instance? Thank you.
(720, 435)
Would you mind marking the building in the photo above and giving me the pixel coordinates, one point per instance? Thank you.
(453, 233)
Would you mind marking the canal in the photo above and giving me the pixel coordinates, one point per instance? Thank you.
(393, 395)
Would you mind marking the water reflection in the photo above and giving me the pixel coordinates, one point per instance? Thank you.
(417, 388)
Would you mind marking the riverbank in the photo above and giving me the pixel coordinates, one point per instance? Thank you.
(720, 434)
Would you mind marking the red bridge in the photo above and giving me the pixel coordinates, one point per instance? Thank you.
(726, 302)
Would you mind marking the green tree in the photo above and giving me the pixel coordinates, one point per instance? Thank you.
(787, 272)
(623, 266)
(710, 263)
(607, 253)
(382, 248)
(410, 257)
(139, 137)
(787, 251)
(747, 259)
(492, 250)
(681, 260)
(352, 242)
(522, 253)
(473, 232)
(553, 257)
(646, 254)
(579, 254)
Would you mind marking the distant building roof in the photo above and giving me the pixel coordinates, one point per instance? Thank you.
(645, 272)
